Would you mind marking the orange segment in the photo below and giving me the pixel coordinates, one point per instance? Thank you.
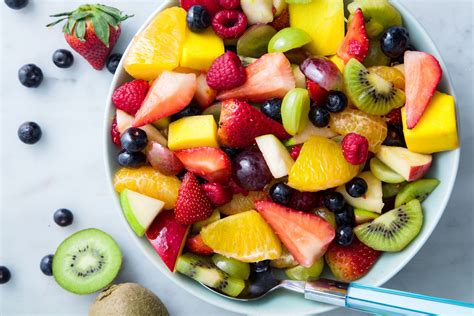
(241, 203)
(150, 182)
(371, 127)
(159, 46)
(320, 166)
(245, 237)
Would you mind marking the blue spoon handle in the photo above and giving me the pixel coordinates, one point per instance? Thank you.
(383, 301)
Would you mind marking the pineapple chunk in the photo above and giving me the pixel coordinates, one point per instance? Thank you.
(201, 49)
(193, 131)
(436, 131)
(323, 20)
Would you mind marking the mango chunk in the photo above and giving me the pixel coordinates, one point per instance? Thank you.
(338, 62)
(201, 49)
(323, 20)
(436, 131)
(193, 131)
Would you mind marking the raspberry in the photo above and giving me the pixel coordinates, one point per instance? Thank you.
(355, 148)
(295, 151)
(129, 96)
(394, 117)
(282, 21)
(229, 24)
(229, 4)
(115, 133)
(217, 193)
(226, 72)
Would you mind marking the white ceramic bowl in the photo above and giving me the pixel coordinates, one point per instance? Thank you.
(283, 302)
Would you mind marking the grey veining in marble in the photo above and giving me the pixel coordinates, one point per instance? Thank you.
(66, 168)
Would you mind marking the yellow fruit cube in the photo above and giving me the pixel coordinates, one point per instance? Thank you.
(192, 132)
(201, 49)
(323, 20)
(436, 131)
(159, 46)
(338, 62)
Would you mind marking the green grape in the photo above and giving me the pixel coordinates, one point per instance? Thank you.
(254, 42)
(301, 273)
(383, 172)
(294, 110)
(288, 39)
(232, 267)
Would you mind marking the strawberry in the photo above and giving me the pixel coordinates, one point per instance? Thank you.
(305, 235)
(212, 6)
(196, 245)
(217, 193)
(240, 123)
(192, 205)
(129, 96)
(350, 263)
(282, 21)
(394, 117)
(422, 76)
(316, 92)
(92, 31)
(211, 163)
(114, 132)
(226, 72)
(205, 95)
(356, 42)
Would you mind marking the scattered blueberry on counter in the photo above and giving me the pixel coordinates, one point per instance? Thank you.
(5, 275)
(63, 217)
(29, 133)
(112, 62)
(46, 265)
(16, 4)
(63, 58)
(30, 76)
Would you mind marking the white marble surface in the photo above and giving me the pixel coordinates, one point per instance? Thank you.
(66, 168)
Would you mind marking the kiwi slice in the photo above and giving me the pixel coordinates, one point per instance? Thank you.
(393, 230)
(234, 268)
(202, 269)
(390, 190)
(419, 190)
(86, 261)
(383, 172)
(378, 15)
(370, 92)
(363, 216)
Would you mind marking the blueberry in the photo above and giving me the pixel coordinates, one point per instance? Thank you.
(357, 187)
(63, 58)
(30, 76)
(260, 266)
(336, 101)
(46, 265)
(190, 110)
(63, 217)
(134, 140)
(272, 109)
(345, 217)
(16, 4)
(5, 275)
(334, 201)
(231, 152)
(344, 235)
(281, 193)
(319, 116)
(394, 137)
(112, 62)
(29, 133)
(198, 19)
(394, 41)
(131, 160)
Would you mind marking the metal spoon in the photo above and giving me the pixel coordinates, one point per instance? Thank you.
(355, 296)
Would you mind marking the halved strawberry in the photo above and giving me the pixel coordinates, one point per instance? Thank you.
(192, 205)
(356, 42)
(205, 95)
(240, 123)
(269, 77)
(211, 163)
(422, 76)
(349, 263)
(168, 94)
(316, 92)
(196, 245)
(306, 236)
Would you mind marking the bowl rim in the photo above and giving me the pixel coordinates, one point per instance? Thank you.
(212, 298)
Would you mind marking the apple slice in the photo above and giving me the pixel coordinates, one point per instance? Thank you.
(276, 155)
(310, 130)
(258, 11)
(168, 237)
(125, 120)
(372, 199)
(410, 165)
(205, 95)
(139, 210)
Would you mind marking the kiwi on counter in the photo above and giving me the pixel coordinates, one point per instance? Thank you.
(394, 230)
(419, 190)
(369, 92)
(86, 261)
(127, 299)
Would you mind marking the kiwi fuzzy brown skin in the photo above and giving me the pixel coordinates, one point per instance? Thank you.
(127, 299)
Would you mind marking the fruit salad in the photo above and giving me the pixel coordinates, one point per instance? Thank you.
(261, 134)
